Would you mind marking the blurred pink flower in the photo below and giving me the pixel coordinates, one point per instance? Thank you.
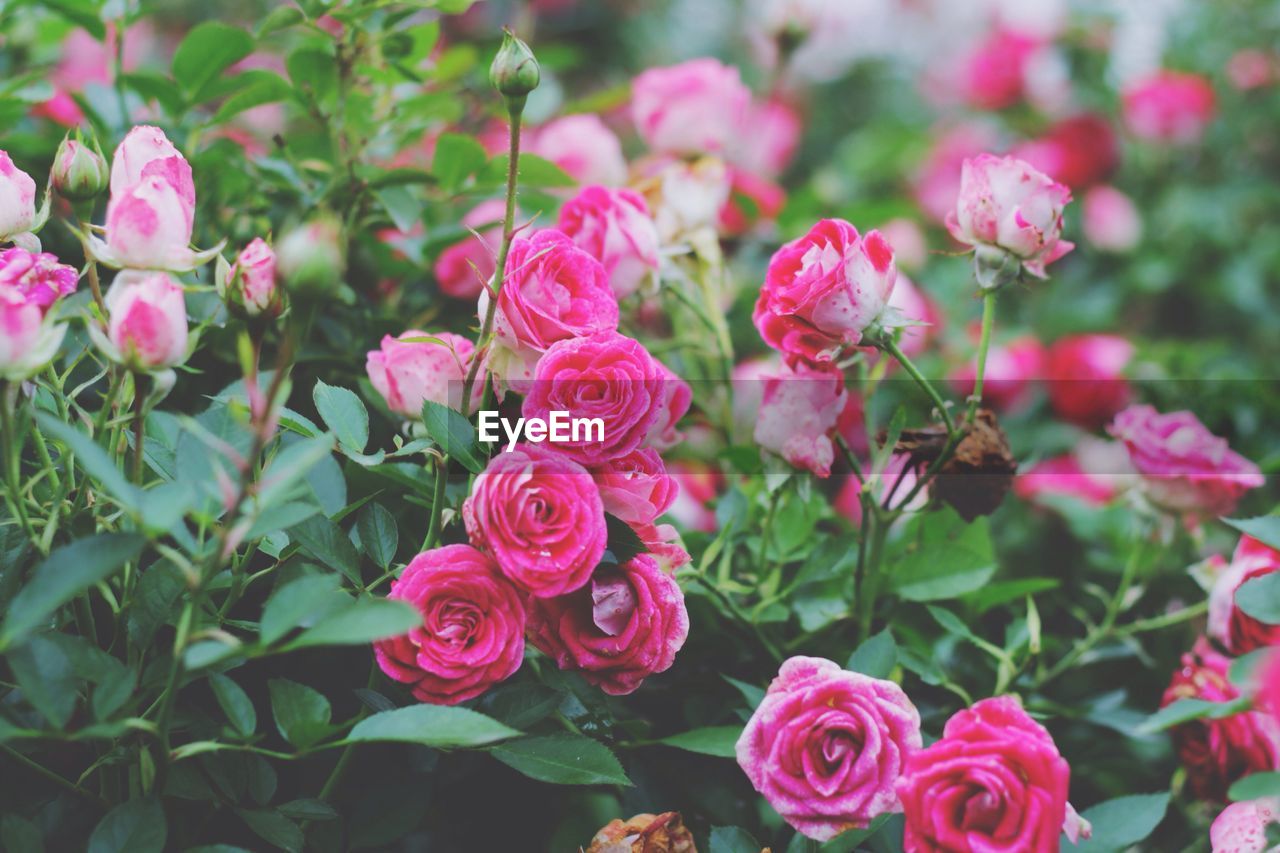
(1169, 106)
(1111, 220)
(1085, 375)
(583, 146)
(696, 107)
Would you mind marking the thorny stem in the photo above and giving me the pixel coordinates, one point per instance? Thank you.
(891, 346)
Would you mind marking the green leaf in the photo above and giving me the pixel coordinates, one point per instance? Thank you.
(261, 87)
(733, 839)
(62, 576)
(404, 208)
(876, 657)
(535, 171)
(753, 694)
(953, 558)
(302, 601)
(453, 434)
(235, 703)
(296, 462)
(1255, 786)
(314, 71)
(327, 542)
(1186, 710)
(278, 19)
(440, 726)
(564, 759)
(274, 828)
(1264, 528)
(301, 714)
(208, 49)
(719, 741)
(308, 809)
(17, 833)
(457, 158)
(47, 677)
(1122, 822)
(379, 536)
(623, 541)
(363, 621)
(91, 458)
(344, 413)
(1260, 598)
(134, 826)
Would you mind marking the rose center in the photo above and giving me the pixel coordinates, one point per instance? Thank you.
(612, 602)
(456, 623)
(980, 812)
(838, 746)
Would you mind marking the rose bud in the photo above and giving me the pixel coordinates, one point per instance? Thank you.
(696, 107)
(36, 277)
(582, 145)
(539, 514)
(29, 340)
(644, 833)
(1169, 106)
(937, 182)
(419, 366)
(615, 228)
(1239, 632)
(1008, 209)
(1184, 468)
(1243, 827)
(472, 632)
(823, 291)
(79, 171)
(514, 71)
(146, 153)
(636, 487)
(248, 287)
(311, 259)
(148, 227)
(1217, 752)
(825, 746)
(17, 200)
(1111, 220)
(1001, 778)
(1086, 378)
(463, 269)
(146, 321)
(623, 626)
(798, 416)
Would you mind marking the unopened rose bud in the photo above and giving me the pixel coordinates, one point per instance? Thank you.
(79, 169)
(248, 287)
(311, 260)
(514, 72)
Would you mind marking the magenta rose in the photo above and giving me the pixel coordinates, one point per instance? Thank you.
(463, 269)
(1242, 827)
(995, 74)
(1086, 378)
(1239, 632)
(472, 631)
(615, 228)
(28, 339)
(696, 107)
(822, 291)
(1006, 203)
(17, 199)
(995, 781)
(584, 147)
(606, 376)
(146, 320)
(1184, 467)
(636, 487)
(826, 745)
(799, 412)
(36, 277)
(539, 515)
(625, 625)
(553, 291)
(675, 401)
(1169, 106)
(1267, 691)
(1110, 220)
(418, 366)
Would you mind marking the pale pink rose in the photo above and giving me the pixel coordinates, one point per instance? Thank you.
(1095, 472)
(147, 320)
(798, 416)
(472, 631)
(1085, 376)
(1170, 107)
(910, 248)
(822, 291)
(615, 228)
(17, 199)
(1242, 827)
(539, 515)
(606, 376)
(1005, 202)
(770, 143)
(685, 197)
(28, 341)
(636, 487)
(145, 153)
(624, 626)
(747, 390)
(1111, 220)
(674, 401)
(37, 277)
(1012, 370)
(584, 147)
(1237, 631)
(696, 107)
(995, 781)
(553, 291)
(254, 274)
(149, 227)
(826, 745)
(937, 182)
(1184, 468)
(463, 269)
(1251, 68)
(410, 369)
(922, 317)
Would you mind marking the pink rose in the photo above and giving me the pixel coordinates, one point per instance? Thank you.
(606, 376)
(614, 227)
(1012, 370)
(36, 277)
(253, 278)
(826, 745)
(408, 372)
(636, 487)
(147, 320)
(539, 515)
(1217, 752)
(584, 147)
(767, 150)
(1086, 378)
(1169, 106)
(1006, 203)
(798, 415)
(686, 198)
(624, 626)
(1079, 151)
(28, 341)
(146, 153)
(553, 291)
(1267, 691)
(463, 269)
(1090, 474)
(696, 107)
(17, 199)
(675, 399)
(1239, 632)
(472, 632)
(995, 781)
(1242, 827)
(995, 74)
(1111, 220)
(1184, 467)
(822, 291)
(148, 227)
